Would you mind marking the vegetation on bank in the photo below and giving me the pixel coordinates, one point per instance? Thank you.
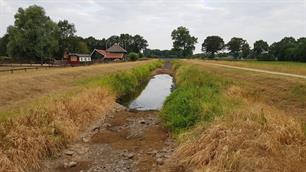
(197, 98)
(221, 127)
(44, 127)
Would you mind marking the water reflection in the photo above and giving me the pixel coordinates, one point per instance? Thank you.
(155, 93)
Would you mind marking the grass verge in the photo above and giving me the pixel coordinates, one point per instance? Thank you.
(42, 128)
(220, 128)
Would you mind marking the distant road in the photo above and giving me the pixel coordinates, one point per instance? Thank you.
(260, 70)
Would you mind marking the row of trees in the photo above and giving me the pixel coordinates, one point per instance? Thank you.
(288, 49)
(34, 37)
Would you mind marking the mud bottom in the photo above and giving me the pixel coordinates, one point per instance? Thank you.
(127, 141)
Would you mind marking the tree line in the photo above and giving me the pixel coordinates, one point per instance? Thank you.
(35, 37)
(288, 49)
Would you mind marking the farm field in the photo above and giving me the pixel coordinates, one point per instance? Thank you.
(286, 67)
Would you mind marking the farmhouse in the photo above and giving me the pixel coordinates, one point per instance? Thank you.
(75, 58)
(115, 52)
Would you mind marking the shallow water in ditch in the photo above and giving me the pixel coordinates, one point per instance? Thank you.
(155, 93)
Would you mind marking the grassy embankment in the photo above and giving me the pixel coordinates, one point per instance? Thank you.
(287, 67)
(42, 127)
(221, 127)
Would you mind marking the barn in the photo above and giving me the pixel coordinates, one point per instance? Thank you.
(115, 52)
(75, 58)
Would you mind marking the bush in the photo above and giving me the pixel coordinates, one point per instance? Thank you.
(133, 56)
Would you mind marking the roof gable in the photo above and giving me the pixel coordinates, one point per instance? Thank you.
(116, 49)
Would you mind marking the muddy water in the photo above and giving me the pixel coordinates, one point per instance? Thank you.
(154, 94)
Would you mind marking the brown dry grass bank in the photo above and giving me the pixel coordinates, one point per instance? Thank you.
(43, 126)
(257, 135)
(43, 130)
(20, 88)
(253, 138)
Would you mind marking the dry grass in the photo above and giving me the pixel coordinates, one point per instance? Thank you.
(254, 138)
(45, 128)
(266, 132)
(287, 67)
(58, 110)
(19, 88)
(284, 93)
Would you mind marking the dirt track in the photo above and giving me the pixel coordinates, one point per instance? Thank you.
(260, 70)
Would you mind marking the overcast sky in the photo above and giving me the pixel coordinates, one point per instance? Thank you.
(270, 20)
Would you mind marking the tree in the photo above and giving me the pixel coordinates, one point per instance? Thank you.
(260, 47)
(112, 40)
(301, 50)
(33, 36)
(139, 44)
(235, 46)
(66, 31)
(3, 45)
(245, 50)
(126, 41)
(77, 45)
(281, 50)
(212, 44)
(183, 41)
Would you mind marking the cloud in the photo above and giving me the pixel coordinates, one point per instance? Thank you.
(155, 19)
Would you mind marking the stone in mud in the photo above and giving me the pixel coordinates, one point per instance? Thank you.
(160, 161)
(68, 152)
(95, 128)
(85, 140)
(70, 164)
(107, 125)
(128, 155)
(142, 121)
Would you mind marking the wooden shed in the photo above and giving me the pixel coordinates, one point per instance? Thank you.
(75, 58)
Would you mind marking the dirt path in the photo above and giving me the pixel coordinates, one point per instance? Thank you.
(126, 141)
(260, 70)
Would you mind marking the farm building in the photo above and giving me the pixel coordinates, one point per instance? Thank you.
(115, 52)
(75, 58)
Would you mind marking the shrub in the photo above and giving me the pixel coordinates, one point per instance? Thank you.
(133, 56)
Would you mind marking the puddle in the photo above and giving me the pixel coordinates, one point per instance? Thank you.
(155, 93)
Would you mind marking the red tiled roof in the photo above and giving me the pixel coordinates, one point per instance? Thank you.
(109, 55)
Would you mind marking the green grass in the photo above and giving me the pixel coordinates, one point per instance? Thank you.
(123, 83)
(197, 98)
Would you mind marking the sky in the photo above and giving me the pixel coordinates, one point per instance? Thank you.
(270, 20)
